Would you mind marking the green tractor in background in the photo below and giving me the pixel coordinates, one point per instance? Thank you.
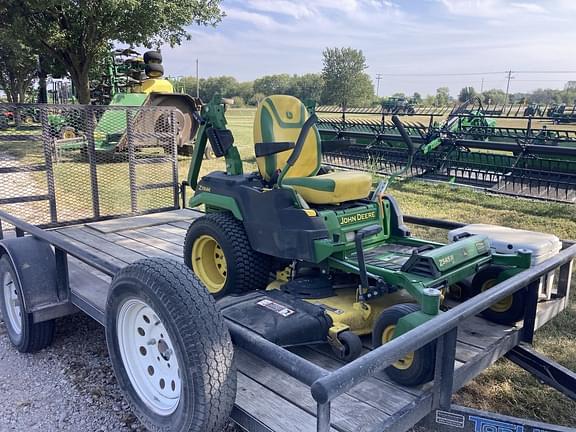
(398, 105)
(344, 264)
(134, 81)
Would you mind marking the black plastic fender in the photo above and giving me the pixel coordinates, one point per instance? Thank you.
(35, 265)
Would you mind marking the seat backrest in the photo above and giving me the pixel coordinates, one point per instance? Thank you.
(279, 118)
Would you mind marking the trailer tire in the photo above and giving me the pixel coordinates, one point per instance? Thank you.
(177, 369)
(25, 335)
(246, 269)
(417, 367)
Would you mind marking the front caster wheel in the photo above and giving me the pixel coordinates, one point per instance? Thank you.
(170, 348)
(415, 368)
(507, 311)
(351, 346)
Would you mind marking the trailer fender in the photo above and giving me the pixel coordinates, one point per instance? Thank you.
(35, 265)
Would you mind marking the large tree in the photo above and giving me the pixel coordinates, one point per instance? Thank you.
(18, 65)
(273, 84)
(78, 32)
(466, 94)
(345, 82)
(442, 97)
(307, 86)
(494, 96)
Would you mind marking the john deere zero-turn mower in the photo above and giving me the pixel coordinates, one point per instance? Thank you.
(345, 264)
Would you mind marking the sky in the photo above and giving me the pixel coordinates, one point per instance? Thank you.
(412, 43)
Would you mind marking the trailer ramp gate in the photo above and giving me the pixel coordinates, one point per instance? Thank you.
(62, 164)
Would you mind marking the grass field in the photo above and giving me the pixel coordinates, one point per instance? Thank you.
(503, 388)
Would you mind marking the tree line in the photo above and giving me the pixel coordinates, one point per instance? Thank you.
(71, 38)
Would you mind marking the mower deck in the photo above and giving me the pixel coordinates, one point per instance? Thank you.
(269, 399)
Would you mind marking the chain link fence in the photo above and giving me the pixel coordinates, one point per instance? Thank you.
(71, 163)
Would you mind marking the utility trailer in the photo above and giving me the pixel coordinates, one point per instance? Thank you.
(79, 266)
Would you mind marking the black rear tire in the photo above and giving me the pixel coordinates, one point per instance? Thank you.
(247, 269)
(30, 337)
(420, 368)
(199, 339)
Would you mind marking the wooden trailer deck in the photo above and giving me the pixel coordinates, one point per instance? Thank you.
(267, 398)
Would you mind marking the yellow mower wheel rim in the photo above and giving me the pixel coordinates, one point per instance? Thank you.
(403, 363)
(209, 263)
(503, 305)
(68, 134)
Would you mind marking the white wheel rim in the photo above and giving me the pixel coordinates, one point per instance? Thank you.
(12, 302)
(149, 357)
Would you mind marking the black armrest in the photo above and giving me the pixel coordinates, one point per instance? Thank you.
(270, 148)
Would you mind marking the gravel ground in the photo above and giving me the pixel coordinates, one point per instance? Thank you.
(69, 386)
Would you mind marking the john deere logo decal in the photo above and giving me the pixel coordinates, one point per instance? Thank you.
(355, 218)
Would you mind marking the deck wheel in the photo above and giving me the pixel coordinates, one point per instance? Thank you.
(351, 346)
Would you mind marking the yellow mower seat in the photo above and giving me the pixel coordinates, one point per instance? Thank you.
(332, 188)
(279, 120)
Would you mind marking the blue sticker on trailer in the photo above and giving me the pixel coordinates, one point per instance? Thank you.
(450, 420)
(486, 425)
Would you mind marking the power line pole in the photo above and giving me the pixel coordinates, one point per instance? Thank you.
(197, 80)
(378, 78)
(509, 76)
(482, 86)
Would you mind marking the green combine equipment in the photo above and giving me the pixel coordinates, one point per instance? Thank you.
(469, 147)
(345, 264)
(131, 81)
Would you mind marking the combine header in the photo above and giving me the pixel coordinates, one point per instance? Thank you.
(467, 147)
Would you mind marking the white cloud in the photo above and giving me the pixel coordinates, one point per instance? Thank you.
(260, 37)
(490, 8)
(259, 20)
(530, 7)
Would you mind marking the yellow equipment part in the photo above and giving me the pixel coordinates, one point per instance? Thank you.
(405, 362)
(280, 118)
(155, 85)
(209, 263)
(503, 305)
(332, 188)
(345, 311)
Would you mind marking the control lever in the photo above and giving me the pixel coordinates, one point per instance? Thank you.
(360, 235)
